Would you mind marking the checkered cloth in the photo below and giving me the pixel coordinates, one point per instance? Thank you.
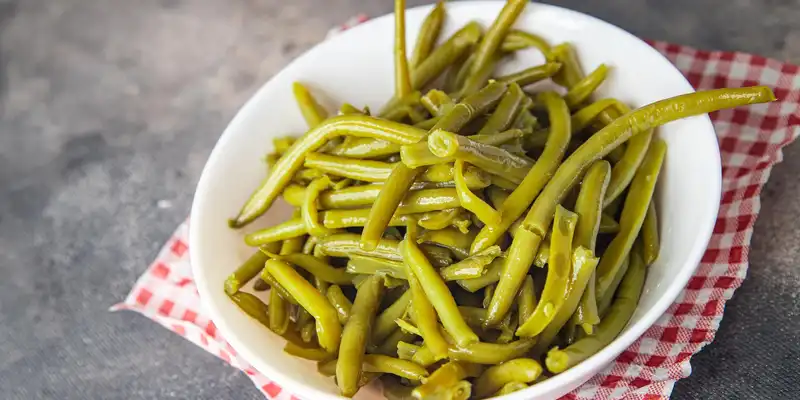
(750, 140)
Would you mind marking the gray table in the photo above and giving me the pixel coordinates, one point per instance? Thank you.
(109, 106)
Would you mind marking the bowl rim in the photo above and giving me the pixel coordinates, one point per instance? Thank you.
(577, 375)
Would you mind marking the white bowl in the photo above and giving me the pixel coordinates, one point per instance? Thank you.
(356, 66)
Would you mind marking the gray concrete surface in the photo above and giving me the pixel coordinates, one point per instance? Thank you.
(108, 106)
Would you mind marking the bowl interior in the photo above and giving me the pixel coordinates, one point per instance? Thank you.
(356, 66)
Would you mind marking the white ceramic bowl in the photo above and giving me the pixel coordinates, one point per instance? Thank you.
(356, 67)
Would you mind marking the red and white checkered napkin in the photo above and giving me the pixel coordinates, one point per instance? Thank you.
(750, 139)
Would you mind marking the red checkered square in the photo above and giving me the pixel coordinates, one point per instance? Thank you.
(750, 141)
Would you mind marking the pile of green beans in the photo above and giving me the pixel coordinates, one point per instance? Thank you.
(469, 236)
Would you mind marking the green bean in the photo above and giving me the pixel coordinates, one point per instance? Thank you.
(348, 108)
(487, 296)
(491, 353)
(475, 81)
(491, 276)
(278, 313)
(633, 214)
(520, 199)
(583, 265)
(472, 267)
(558, 275)
(308, 211)
(509, 388)
(375, 266)
(247, 271)
(281, 144)
(470, 201)
(384, 323)
(406, 351)
(532, 75)
(340, 302)
(419, 154)
(365, 148)
(516, 40)
(437, 292)
(425, 314)
(589, 204)
(437, 102)
(498, 138)
(607, 224)
(395, 366)
(292, 245)
(457, 76)
(649, 235)
(619, 131)
(578, 122)
(312, 112)
(356, 332)
(292, 160)
(346, 244)
(361, 170)
(313, 354)
(571, 73)
(416, 201)
(494, 36)
(462, 390)
(619, 314)
(395, 188)
(624, 170)
(327, 368)
(252, 306)
(581, 91)
(475, 177)
(296, 228)
(444, 379)
(389, 346)
(402, 78)
(445, 55)
(495, 160)
(474, 316)
(435, 220)
(259, 285)
(527, 300)
(450, 238)
(328, 327)
(505, 112)
(318, 268)
(523, 370)
(604, 301)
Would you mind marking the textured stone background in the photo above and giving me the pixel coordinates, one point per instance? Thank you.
(108, 107)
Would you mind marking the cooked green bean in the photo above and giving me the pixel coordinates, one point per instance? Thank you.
(510, 387)
(360, 170)
(523, 370)
(308, 353)
(470, 201)
(312, 112)
(365, 148)
(346, 244)
(425, 317)
(531, 75)
(494, 36)
(633, 213)
(260, 285)
(472, 267)
(281, 144)
(583, 265)
(395, 188)
(451, 238)
(491, 276)
(437, 292)
(608, 224)
(389, 346)
(416, 201)
(444, 379)
(402, 77)
(621, 129)
(278, 313)
(445, 172)
(581, 91)
(589, 204)
(309, 212)
(292, 160)
(649, 234)
(604, 301)
(318, 268)
(495, 160)
(252, 306)
(475, 81)
(491, 353)
(572, 72)
(445, 55)
(505, 112)
(247, 271)
(384, 323)
(543, 254)
(406, 351)
(517, 40)
(527, 300)
(520, 199)
(355, 335)
(619, 314)
(375, 266)
(332, 219)
(558, 275)
(328, 327)
(437, 102)
(340, 302)
(435, 220)
(395, 366)
(419, 154)
(457, 76)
